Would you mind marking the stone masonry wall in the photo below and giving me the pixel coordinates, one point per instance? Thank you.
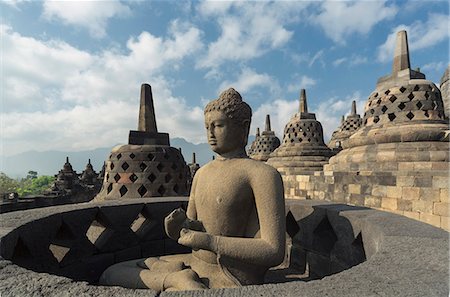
(418, 190)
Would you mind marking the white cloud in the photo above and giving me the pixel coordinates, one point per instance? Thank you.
(248, 79)
(14, 3)
(339, 19)
(301, 82)
(434, 66)
(248, 29)
(317, 57)
(59, 97)
(353, 60)
(91, 15)
(421, 35)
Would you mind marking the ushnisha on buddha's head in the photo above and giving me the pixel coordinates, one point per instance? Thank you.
(227, 122)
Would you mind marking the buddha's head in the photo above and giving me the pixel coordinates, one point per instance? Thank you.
(227, 122)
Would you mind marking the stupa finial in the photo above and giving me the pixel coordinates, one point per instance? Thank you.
(342, 119)
(193, 158)
(303, 104)
(353, 112)
(401, 53)
(257, 132)
(147, 120)
(268, 123)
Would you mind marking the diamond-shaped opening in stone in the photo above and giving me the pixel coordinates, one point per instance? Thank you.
(151, 177)
(304, 133)
(300, 140)
(401, 106)
(416, 87)
(391, 116)
(132, 156)
(119, 156)
(292, 227)
(142, 166)
(433, 105)
(160, 167)
(123, 190)
(402, 89)
(142, 190)
(375, 95)
(309, 139)
(138, 222)
(426, 114)
(427, 95)
(384, 108)
(392, 98)
(58, 251)
(161, 190)
(292, 140)
(376, 119)
(94, 231)
(378, 101)
(387, 92)
(372, 111)
(411, 96)
(111, 166)
(133, 178)
(419, 105)
(117, 177)
(176, 189)
(324, 237)
(151, 157)
(168, 177)
(410, 115)
(174, 166)
(109, 189)
(125, 166)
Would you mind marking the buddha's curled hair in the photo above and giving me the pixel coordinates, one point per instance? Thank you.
(230, 102)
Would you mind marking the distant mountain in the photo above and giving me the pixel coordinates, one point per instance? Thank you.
(50, 162)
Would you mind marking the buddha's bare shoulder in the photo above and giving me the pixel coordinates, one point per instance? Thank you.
(259, 168)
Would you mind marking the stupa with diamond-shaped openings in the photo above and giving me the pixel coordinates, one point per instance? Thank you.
(147, 166)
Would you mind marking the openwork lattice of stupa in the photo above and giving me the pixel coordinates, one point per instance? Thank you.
(348, 126)
(264, 144)
(302, 150)
(445, 91)
(147, 166)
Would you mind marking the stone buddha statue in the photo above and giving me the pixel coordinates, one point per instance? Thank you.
(235, 220)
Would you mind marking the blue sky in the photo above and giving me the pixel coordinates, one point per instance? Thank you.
(71, 71)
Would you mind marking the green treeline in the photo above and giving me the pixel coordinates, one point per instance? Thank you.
(32, 184)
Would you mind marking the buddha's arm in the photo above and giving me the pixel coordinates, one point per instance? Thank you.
(265, 251)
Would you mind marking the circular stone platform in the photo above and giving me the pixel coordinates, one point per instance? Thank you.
(345, 250)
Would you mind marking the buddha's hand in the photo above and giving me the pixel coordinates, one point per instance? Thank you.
(174, 222)
(198, 240)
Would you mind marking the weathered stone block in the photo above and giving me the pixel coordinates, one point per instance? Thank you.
(444, 195)
(412, 214)
(393, 192)
(422, 166)
(389, 203)
(354, 189)
(404, 205)
(410, 193)
(441, 209)
(423, 206)
(430, 219)
(429, 194)
(405, 166)
(440, 182)
(444, 166)
(379, 191)
(405, 181)
(445, 223)
(372, 201)
(422, 181)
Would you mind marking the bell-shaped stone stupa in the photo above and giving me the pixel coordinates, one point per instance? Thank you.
(265, 143)
(348, 126)
(303, 150)
(147, 166)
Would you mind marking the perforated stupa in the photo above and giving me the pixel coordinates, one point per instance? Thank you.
(303, 149)
(348, 126)
(147, 166)
(265, 143)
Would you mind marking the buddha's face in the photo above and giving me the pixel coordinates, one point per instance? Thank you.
(224, 134)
